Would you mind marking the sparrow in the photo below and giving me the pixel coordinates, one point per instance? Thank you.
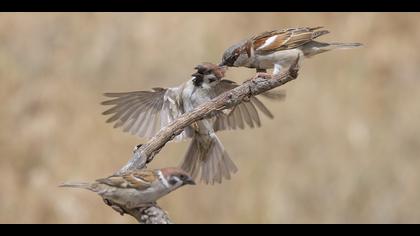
(279, 49)
(144, 113)
(139, 188)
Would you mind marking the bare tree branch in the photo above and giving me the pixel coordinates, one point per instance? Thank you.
(150, 215)
(145, 153)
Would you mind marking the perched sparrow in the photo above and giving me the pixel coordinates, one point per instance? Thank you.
(137, 188)
(279, 49)
(144, 113)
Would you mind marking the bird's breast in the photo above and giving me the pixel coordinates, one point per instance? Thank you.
(283, 58)
(195, 96)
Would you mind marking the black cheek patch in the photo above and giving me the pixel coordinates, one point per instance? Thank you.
(198, 81)
(172, 181)
(231, 60)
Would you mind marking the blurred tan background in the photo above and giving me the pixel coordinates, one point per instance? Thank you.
(343, 148)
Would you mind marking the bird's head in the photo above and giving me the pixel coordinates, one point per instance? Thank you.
(208, 74)
(176, 177)
(231, 55)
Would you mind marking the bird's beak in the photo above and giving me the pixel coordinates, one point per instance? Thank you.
(222, 64)
(189, 181)
(224, 68)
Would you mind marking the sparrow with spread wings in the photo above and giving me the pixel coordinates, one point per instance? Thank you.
(279, 49)
(144, 113)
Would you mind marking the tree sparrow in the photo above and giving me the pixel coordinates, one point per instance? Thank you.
(144, 113)
(279, 49)
(138, 188)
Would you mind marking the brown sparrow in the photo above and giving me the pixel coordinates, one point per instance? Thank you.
(144, 113)
(279, 49)
(138, 188)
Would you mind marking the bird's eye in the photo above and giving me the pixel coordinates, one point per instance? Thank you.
(174, 180)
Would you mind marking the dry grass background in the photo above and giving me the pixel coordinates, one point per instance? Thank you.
(343, 148)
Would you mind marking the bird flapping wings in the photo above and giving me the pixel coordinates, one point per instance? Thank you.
(144, 113)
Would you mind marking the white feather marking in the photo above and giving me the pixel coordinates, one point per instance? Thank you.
(138, 179)
(277, 69)
(162, 179)
(268, 42)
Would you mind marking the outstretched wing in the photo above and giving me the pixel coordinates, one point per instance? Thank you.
(142, 113)
(245, 113)
(277, 40)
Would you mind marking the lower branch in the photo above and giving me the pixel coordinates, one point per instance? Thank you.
(150, 215)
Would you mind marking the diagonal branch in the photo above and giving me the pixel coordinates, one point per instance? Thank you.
(145, 154)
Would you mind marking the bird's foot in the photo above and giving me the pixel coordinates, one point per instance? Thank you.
(263, 75)
(145, 206)
(114, 206)
(118, 209)
(261, 70)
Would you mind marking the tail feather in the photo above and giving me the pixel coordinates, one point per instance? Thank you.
(344, 45)
(191, 163)
(207, 156)
(313, 48)
(83, 185)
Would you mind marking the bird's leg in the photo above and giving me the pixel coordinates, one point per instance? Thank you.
(263, 75)
(261, 70)
(118, 209)
(114, 206)
(146, 205)
(195, 127)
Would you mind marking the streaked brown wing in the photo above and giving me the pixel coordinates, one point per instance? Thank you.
(138, 179)
(285, 39)
(137, 112)
(261, 39)
(113, 181)
(242, 115)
